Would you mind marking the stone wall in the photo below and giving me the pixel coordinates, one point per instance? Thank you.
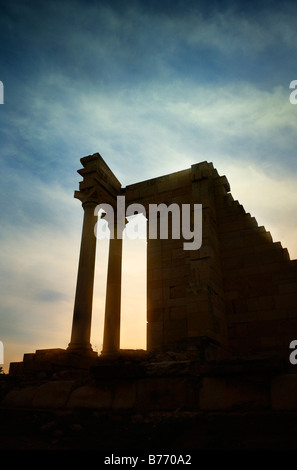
(260, 282)
(148, 383)
(239, 289)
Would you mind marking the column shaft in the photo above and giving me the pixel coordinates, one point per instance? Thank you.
(82, 315)
(111, 339)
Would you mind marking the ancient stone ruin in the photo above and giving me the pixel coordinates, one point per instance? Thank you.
(237, 293)
(220, 319)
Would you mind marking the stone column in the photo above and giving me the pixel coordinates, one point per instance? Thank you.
(82, 315)
(111, 338)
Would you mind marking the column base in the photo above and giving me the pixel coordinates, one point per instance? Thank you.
(81, 349)
(53, 361)
(115, 352)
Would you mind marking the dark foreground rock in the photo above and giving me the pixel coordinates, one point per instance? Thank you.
(91, 430)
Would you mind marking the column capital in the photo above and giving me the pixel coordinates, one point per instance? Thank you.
(89, 203)
(99, 184)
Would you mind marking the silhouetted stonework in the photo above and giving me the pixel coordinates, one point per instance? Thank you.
(185, 291)
(238, 292)
(220, 318)
(239, 289)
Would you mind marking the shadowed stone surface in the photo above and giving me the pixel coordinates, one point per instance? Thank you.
(238, 290)
(216, 374)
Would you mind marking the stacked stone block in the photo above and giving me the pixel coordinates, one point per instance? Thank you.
(259, 283)
(239, 290)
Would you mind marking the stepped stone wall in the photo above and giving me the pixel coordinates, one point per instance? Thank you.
(239, 289)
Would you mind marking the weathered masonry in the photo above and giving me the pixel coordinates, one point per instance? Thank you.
(237, 293)
(220, 319)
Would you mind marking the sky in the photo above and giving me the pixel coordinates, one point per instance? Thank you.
(154, 87)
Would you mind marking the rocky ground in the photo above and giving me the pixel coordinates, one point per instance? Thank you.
(87, 429)
(60, 428)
